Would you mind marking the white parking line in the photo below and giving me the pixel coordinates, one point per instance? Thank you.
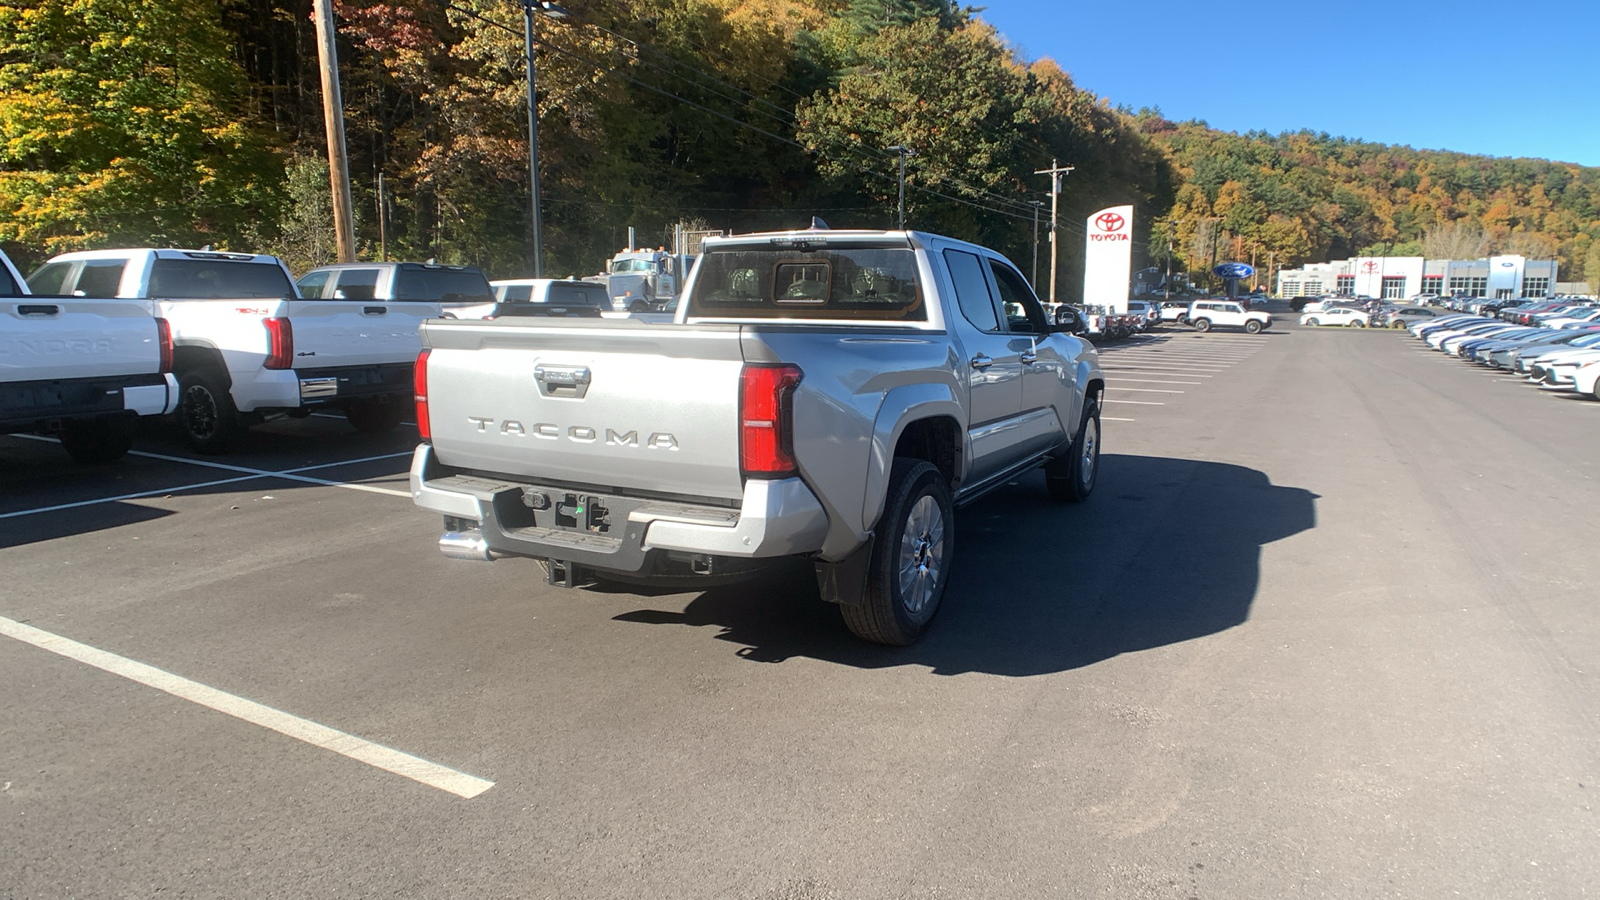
(1115, 419)
(1155, 381)
(1142, 371)
(287, 473)
(1149, 390)
(1137, 402)
(376, 755)
(120, 497)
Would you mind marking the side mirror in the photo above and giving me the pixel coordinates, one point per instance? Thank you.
(1068, 320)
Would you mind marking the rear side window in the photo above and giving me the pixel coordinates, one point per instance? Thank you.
(356, 284)
(8, 285)
(972, 290)
(311, 284)
(447, 285)
(514, 293)
(873, 283)
(100, 279)
(217, 279)
(48, 278)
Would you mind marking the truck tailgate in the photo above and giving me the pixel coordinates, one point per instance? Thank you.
(354, 332)
(634, 408)
(48, 338)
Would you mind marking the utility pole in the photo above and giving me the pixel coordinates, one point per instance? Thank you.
(333, 117)
(903, 152)
(1167, 282)
(1055, 172)
(1036, 204)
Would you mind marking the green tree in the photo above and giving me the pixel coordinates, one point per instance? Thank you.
(122, 121)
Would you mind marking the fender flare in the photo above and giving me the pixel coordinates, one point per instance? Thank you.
(902, 406)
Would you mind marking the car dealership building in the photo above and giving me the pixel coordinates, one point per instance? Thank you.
(1398, 277)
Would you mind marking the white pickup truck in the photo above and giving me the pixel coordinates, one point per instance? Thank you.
(247, 348)
(828, 395)
(81, 370)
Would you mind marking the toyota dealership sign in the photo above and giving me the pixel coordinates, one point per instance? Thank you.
(1108, 258)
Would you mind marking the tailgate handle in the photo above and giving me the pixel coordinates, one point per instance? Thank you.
(38, 309)
(374, 310)
(562, 381)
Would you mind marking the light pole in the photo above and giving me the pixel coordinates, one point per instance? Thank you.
(529, 7)
(1036, 204)
(903, 151)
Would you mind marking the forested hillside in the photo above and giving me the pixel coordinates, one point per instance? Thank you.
(188, 122)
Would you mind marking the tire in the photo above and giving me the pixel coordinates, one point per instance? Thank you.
(910, 562)
(1072, 480)
(372, 416)
(1252, 327)
(1313, 323)
(206, 415)
(99, 441)
(1397, 325)
(1202, 324)
(639, 306)
(1357, 323)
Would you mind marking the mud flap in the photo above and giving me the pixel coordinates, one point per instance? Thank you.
(845, 582)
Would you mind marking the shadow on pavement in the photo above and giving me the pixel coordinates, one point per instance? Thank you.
(1166, 551)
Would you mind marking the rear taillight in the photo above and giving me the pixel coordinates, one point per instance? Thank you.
(766, 420)
(419, 380)
(280, 344)
(164, 338)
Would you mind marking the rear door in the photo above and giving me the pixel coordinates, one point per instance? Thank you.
(992, 361)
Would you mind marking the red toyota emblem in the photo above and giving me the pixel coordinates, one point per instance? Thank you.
(1369, 267)
(1109, 222)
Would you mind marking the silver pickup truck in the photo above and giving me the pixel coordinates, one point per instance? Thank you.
(831, 395)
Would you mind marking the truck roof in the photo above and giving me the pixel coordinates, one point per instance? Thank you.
(164, 253)
(821, 237)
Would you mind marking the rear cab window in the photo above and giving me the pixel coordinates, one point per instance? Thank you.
(793, 280)
(452, 286)
(217, 279)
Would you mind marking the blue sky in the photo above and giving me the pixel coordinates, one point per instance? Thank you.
(1510, 78)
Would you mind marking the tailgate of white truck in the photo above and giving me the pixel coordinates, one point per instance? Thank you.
(354, 333)
(610, 404)
(51, 338)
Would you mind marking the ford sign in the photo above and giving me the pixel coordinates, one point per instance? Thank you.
(1234, 270)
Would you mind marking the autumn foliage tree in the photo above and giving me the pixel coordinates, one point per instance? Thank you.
(122, 122)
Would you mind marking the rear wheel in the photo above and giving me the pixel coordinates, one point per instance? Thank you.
(372, 416)
(1313, 322)
(1357, 323)
(1072, 480)
(99, 441)
(1397, 324)
(1253, 326)
(910, 558)
(1202, 324)
(206, 415)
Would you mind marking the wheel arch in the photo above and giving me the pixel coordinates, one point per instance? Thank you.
(922, 421)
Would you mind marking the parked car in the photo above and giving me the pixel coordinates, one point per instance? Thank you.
(1205, 315)
(1587, 380)
(1337, 315)
(80, 369)
(462, 292)
(246, 347)
(548, 297)
(802, 405)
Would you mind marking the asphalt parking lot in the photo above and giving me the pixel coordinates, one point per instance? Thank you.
(1326, 629)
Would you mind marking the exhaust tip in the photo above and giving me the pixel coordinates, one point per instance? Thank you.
(468, 545)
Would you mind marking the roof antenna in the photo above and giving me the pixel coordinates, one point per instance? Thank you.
(817, 224)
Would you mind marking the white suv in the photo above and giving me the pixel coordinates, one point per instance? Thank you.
(1205, 315)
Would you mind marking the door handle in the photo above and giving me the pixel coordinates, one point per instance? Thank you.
(1029, 357)
(374, 310)
(981, 362)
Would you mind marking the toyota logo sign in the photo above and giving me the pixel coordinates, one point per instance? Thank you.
(1369, 267)
(1109, 222)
